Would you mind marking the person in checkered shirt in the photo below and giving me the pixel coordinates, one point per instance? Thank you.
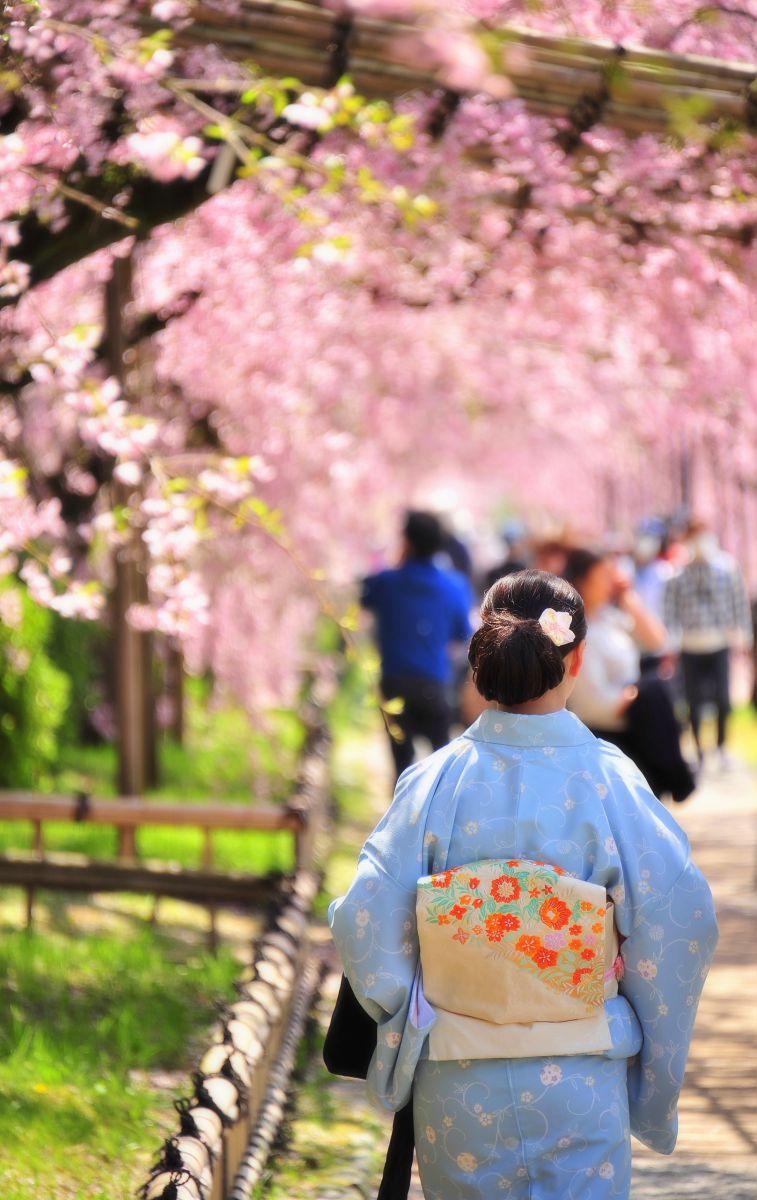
(707, 614)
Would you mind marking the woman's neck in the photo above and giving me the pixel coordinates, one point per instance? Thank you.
(550, 702)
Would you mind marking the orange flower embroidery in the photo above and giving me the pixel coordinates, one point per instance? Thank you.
(545, 957)
(513, 862)
(555, 913)
(597, 928)
(527, 944)
(478, 930)
(548, 890)
(601, 912)
(495, 927)
(576, 929)
(535, 892)
(477, 902)
(473, 882)
(559, 870)
(510, 921)
(443, 919)
(461, 936)
(575, 944)
(505, 888)
(466, 899)
(458, 911)
(441, 881)
(586, 905)
(580, 972)
(587, 953)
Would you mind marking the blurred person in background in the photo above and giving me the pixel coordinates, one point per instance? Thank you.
(420, 611)
(514, 537)
(652, 572)
(707, 612)
(611, 697)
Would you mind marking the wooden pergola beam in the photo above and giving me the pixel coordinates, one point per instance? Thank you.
(641, 89)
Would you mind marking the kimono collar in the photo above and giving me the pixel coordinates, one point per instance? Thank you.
(561, 728)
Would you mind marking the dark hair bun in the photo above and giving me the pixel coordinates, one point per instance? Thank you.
(513, 659)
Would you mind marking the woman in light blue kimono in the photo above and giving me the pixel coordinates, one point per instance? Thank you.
(549, 1116)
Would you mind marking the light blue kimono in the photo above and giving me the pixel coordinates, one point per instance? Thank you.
(532, 787)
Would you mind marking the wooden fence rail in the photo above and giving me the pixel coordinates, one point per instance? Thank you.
(303, 816)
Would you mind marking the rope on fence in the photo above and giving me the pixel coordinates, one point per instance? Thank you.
(274, 1104)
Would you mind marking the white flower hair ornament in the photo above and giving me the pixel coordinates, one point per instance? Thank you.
(556, 625)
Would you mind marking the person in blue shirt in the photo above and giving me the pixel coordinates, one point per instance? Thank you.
(420, 611)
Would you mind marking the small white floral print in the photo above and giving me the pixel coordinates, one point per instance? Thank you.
(618, 893)
(504, 1185)
(464, 1063)
(370, 980)
(644, 888)
(360, 933)
(649, 1075)
(428, 838)
(548, 751)
(589, 1081)
(430, 1134)
(694, 947)
(601, 791)
(656, 1050)
(610, 845)
(471, 827)
(656, 932)
(393, 1039)
(447, 1122)
(689, 1001)
(698, 914)
(646, 968)
(407, 948)
(563, 1143)
(486, 1119)
(362, 917)
(644, 874)
(551, 1074)
(500, 765)
(477, 1108)
(570, 803)
(663, 1010)
(526, 1097)
(521, 1172)
(407, 926)
(467, 1162)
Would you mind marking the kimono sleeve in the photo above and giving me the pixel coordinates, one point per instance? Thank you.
(374, 929)
(666, 915)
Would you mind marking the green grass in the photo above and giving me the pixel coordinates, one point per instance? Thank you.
(84, 1022)
(742, 734)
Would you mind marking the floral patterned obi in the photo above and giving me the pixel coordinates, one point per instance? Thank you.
(517, 959)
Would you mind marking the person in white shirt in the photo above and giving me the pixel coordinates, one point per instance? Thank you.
(611, 697)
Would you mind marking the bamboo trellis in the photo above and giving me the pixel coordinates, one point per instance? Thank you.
(637, 89)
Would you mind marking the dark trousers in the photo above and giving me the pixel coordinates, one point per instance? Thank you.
(651, 740)
(425, 713)
(706, 679)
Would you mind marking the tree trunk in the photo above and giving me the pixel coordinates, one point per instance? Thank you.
(137, 762)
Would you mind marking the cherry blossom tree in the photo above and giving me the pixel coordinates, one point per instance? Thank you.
(377, 301)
